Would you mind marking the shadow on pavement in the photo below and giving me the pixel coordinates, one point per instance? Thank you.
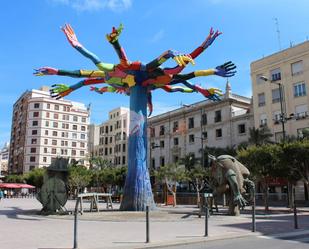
(14, 212)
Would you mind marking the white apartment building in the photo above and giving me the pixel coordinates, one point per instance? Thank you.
(44, 128)
(289, 69)
(175, 134)
(113, 137)
(4, 158)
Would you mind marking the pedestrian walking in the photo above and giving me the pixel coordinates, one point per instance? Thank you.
(1, 194)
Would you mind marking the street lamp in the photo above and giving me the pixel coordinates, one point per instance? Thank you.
(282, 114)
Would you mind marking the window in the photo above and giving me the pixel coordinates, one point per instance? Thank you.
(74, 127)
(106, 152)
(275, 74)
(218, 133)
(35, 123)
(82, 136)
(47, 114)
(111, 128)
(54, 142)
(54, 151)
(44, 159)
(191, 123)
(111, 139)
(275, 95)
(261, 99)
(46, 123)
(176, 141)
(204, 119)
(162, 144)
(74, 135)
(45, 141)
(56, 115)
(175, 126)
(32, 150)
(124, 123)
(45, 150)
(123, 147)
(106, 129)
(204, 134)
(64, 151)
(64, 134)
(191, 138)
(162, 161)
(297, 68)
(35, 114)
(33, 141)
(32, 159)
(46, 132)
(82, 152)
(57, 107)
(110, 150)
(75, 118)
(241, 128)
(48, 106)
(36, 105)
(218, 117)
(301, 111)
(64, 143)
(299, 89)
(31, 167)
(263, 120)
(83, 128)
(34, 132)
(258, 79)
(55, 124)
(277, 117)
(162, 130)
(123, 160)
(73, 152)
(82, 145)
(84, 119)
(73, 144)
(55, 133)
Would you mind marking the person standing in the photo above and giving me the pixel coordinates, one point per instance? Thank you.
(1, 194)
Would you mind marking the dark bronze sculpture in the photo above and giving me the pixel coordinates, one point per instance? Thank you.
(53, 194)
(230, 177)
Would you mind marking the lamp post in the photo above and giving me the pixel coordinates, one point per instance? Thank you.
(282, 114)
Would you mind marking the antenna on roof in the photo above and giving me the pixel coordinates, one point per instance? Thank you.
(278, 32)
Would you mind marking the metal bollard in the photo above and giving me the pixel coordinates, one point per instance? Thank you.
(206, 217)
(295, 210)
(253, 214)
(147, 224)
(75, 244)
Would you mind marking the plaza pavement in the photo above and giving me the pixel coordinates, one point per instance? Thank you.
(22, 228)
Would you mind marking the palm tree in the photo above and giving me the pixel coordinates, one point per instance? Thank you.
(260, 136)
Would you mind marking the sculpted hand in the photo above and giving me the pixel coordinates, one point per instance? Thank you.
(181, 59)
(240, 201)
(114, 35)
(45, 71)
(226, 69)
(211, 93)
(71, 36)
(210, 38)
(60, 90)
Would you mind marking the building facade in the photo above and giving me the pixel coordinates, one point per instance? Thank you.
(113, 137)
(44, 128)
(287, 72)
(4, 159)
(175, 134)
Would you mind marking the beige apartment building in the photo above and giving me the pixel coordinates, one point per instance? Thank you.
(44, 128)
(112, 143)
(175, 134)
(289, 70)
(4, 159)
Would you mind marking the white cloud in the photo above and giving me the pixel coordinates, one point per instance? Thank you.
(157, 36)
(95, 5)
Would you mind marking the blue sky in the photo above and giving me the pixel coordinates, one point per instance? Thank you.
(31, 38)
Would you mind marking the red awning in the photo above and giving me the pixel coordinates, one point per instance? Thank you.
(15, 185)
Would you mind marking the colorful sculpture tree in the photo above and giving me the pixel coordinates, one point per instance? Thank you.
(138, 81)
